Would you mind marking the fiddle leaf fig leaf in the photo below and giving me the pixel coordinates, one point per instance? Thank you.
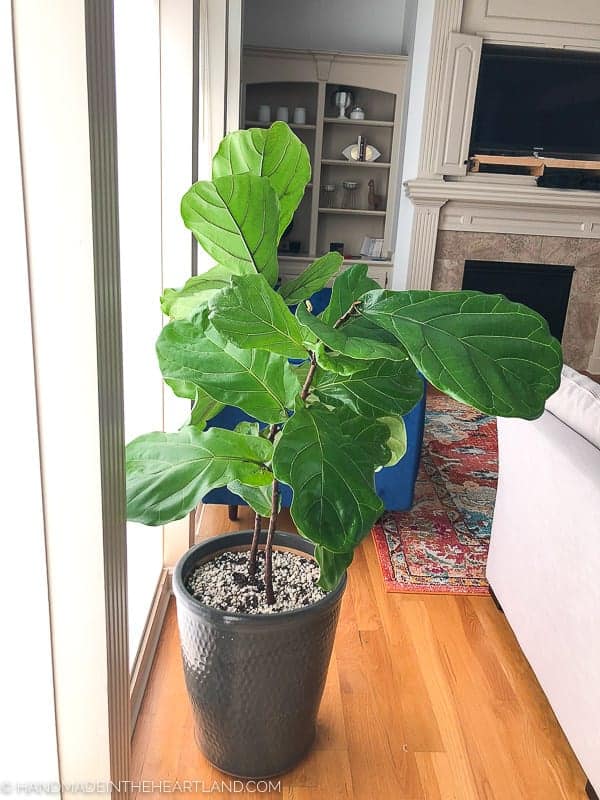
(249, 314)
(333, 504)
(204, 408)
(347, 289)
(384, 388)
(335, 362)
(234, 218)
(198, 290)
(315, 277)
(480, 349)
(169, 473)
(182, 388)
(366, 441)
(377, 344)
(260, 383)
(257, 497)
(248, 428)
(275, 153)
(396, 442)
(332, 566)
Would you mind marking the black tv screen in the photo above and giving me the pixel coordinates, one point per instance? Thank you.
(536, 99)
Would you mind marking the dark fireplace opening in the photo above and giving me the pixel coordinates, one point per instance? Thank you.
(543, 287)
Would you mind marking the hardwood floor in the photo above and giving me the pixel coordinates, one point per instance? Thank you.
(428, 698)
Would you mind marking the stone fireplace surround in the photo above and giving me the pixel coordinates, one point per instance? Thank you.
(583, 313)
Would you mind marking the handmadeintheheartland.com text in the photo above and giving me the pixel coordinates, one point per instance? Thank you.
(187, 786)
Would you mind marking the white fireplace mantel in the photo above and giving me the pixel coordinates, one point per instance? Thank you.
(496, 206)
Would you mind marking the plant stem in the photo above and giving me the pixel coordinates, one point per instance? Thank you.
(313, 361)
(271, 530)
(275, 486)
(254, 546)
(347, 314)
(269, 544)
(310, 375)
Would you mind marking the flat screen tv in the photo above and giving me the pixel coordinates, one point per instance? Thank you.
(537, 99)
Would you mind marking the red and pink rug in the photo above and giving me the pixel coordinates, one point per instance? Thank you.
(440, 546)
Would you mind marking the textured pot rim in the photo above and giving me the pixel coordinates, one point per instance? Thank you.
(216, 616)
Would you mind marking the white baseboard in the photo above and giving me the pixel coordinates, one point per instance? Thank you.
(149, 643)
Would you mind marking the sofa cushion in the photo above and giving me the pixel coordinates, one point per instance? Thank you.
(577, 404)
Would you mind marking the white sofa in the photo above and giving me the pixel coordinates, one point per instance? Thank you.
(544, 559)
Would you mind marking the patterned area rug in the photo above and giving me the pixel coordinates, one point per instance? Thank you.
(440, 546)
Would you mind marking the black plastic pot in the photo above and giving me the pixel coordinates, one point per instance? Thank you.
(255, 681)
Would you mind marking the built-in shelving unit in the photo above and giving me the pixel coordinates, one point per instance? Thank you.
(365, 212)
(295, 126)
(338, 162)
(363, 123)
(309, 79)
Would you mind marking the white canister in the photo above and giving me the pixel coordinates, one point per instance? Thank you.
(300, 115)
(283, 113)
(264, 113)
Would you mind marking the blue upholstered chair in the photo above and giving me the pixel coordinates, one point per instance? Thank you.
(394, 485)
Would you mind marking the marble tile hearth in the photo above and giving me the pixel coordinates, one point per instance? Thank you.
(583, 313)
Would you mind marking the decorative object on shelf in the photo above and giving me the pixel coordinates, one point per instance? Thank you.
(374, 201)
(350, 194)
(264, 113)
(342, 99)
(336, 247)
(300, 115)
(362, 147)
(352, 152)
(283, 113)
(295, 246)
(329, 190)
(372, 248)
(357, 113)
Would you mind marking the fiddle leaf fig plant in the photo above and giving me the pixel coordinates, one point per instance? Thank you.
(328, 391)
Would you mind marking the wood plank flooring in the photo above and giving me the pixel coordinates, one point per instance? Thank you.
(428, 698)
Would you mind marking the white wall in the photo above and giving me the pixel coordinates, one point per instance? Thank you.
(28, 746)
(51, 69)
(354, 25)
(416, 107)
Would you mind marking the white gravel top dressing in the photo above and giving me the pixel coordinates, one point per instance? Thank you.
(224, 583)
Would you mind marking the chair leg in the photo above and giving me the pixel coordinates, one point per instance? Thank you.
(233, 513)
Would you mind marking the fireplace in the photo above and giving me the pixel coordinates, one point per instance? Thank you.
(543, 287)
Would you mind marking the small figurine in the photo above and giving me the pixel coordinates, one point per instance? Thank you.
(374, 200)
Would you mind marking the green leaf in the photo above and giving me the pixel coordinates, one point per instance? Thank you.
(347, 289)
(182, 388)
(333, 565)
(333, 504)
(204, 408)
(343, 339)
(366, 441)
(334, 362)
(383, 388)
(275, 153)
(248, 428)
(257, 497)
(480, 349)
(397, 439)
(249, 314)
(260, 383)
(234, 218)
(169, 473)
(183, 303)
(314, 278)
